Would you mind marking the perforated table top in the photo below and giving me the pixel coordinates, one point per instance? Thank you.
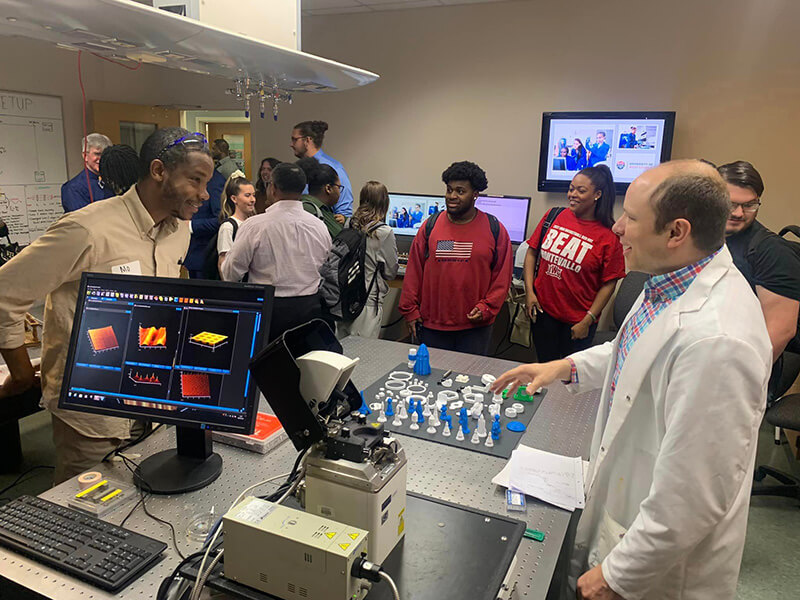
(563, 424)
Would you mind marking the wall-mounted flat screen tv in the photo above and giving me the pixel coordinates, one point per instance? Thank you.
(628, 142)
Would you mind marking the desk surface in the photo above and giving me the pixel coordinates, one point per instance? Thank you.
(563, 425)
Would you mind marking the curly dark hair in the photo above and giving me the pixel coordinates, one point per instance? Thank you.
(466, 171)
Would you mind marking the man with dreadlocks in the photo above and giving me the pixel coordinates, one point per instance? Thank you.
(119, 168)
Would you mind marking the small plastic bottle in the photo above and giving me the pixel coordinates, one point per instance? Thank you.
(412, 358)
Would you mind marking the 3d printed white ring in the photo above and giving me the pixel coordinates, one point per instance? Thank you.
(511, 413)
(488, 379)
(401, 375)
(395, 385)
(417, 389)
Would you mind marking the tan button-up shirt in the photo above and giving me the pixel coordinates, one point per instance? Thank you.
(97, 238)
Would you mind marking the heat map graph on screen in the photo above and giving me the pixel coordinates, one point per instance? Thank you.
(152, 337)
(103, 339)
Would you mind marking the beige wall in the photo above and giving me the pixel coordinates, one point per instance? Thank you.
(41, 68)
(471, 82)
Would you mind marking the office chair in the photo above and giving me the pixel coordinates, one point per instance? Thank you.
(628, 291)
(783, 413)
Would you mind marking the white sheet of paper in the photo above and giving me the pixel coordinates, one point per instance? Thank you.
(552, 478)
(131, 268)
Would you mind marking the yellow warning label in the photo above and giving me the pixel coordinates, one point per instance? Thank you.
(401, 526)
(344, 546)
(331, 535)
(353, 536)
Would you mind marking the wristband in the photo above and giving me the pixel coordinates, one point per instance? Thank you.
(594, 319)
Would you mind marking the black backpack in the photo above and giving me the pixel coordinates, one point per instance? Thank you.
(494, 226)
(344, 288)
(211, 262)
(550, 218)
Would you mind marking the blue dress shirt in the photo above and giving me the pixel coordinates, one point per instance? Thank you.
(345, 204)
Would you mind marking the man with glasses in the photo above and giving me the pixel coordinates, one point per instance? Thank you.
(75, 193)
(767, 262)
(142, 232)
(324, 190)
(307, 139)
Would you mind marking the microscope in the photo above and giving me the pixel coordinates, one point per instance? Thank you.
(355, 473)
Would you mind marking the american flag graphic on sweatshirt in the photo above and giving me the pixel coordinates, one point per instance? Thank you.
(453, 249)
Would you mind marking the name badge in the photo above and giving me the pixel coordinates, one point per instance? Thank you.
(131, 268)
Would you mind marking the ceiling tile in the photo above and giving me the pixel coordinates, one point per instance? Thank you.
(450, 2)
(408, 4)
(338, 11)
(316, 4)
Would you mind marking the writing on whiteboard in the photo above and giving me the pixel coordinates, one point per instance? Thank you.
(15, 103)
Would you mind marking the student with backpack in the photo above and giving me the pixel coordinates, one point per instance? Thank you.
(573, 263)
(239, 204)
(324, 189)
(380, 261)
(459, 269)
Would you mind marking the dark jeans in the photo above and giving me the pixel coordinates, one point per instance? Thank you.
(289, 312)
(552, 338)
(470, 341)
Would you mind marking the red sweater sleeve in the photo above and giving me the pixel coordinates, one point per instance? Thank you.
(410, 296)
(500, 279)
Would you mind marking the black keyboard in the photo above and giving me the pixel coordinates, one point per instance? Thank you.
(78, 544)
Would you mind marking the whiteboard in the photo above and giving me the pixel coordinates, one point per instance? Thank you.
(33, 163)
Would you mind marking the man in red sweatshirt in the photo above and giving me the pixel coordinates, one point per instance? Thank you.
(459, 272)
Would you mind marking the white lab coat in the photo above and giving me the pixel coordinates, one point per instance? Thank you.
(672, 460)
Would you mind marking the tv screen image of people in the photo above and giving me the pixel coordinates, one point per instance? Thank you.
(628, 143)
(408, 212)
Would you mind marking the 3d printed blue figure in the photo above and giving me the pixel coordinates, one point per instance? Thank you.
(449, 420)
(423, 364)
(364, 410)
(389, 407)
(496, 428)
(463, 420)
(412, 407)
(420, 416)
(443, 413)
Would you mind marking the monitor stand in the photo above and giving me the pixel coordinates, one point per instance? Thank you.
(190, 466)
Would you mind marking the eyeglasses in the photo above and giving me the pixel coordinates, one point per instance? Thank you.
(748, 207)
(193, 141)
(294, 139)
(338, 185)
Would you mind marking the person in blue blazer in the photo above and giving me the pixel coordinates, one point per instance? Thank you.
(204, 226)
(578, 155)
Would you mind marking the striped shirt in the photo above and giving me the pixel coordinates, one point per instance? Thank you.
(659, 292)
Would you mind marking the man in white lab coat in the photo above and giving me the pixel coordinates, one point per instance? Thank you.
(683, 392)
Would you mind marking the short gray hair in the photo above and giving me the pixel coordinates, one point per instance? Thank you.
(95, 140)
(702, 200)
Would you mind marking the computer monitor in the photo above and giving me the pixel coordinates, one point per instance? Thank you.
(407, 212)
(628, 143)
(511, 211)
(174, 351)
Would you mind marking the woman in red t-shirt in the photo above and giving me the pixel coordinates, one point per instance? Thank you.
(579, 262)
